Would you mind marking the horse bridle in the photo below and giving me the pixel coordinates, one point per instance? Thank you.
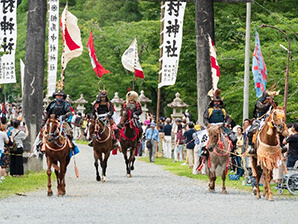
(55, 133)
(271, 123)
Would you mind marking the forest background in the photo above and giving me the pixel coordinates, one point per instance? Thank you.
(116, 23)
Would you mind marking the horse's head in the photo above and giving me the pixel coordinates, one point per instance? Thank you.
(276, 120)
(52, 128)
(126, 116)
(95, 125)
(214, 135)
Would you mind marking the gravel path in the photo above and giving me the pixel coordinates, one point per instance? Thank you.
(152, 195)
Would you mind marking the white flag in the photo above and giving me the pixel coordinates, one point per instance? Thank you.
(130, 60)
(172, 41)
(71, 36)
(215, 73)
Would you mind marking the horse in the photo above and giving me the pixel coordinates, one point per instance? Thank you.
(268, 149)
(218, 147)
(57, 149)
(102, 144)
(128, 138)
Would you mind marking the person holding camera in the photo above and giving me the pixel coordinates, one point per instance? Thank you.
(152, 138)
(16, 158)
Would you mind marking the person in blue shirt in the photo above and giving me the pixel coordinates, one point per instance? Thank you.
(152, 135)
(190, 144)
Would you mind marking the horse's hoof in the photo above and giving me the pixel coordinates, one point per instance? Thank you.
(132, 168)
(271, 198)
(50, 193)
(60, 194)
(211, 190)
(128, 175)
(98, 178)
(224, 192)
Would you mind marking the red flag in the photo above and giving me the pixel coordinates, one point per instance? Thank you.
(98, 68)
(214, 65)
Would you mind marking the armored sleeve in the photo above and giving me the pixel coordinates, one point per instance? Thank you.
(138, 110)
(67, 108)
(111, 109)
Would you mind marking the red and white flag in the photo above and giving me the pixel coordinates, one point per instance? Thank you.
(214, 65)
(71, 36)
(97, 67)
(130, 60)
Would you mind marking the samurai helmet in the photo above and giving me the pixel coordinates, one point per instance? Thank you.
(132, 93)
(59, 92)
(102, 93)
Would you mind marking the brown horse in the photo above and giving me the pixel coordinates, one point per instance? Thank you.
(218, 147)
(57, 149)
(268, 149)
(128, 137)
(101, 132)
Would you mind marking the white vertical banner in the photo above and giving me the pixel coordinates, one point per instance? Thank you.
(53, 45)
(22, 66)
(8, 40)
(172, 41)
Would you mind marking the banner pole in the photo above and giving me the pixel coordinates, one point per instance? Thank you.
(160, 63)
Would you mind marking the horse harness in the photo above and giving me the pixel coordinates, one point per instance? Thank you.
(99, 134)
(56, 134)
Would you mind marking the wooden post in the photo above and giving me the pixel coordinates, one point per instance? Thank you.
(160, 64)
(204, 26)
(34, 69)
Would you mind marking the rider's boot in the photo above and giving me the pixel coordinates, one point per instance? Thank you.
(115, 144)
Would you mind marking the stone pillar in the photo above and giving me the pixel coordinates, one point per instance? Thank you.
(143, 101)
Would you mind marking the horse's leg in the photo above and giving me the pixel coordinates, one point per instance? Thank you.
(104, 166)
(133, 158)
(124, 151)
(223, 177)
(268, 193)
(62, 173)
(49, 172)
(57, 172)
(255, 174)
(96, 168)
(270, 197)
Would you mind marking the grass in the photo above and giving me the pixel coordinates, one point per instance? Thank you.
(31, 181)
(82, 142)
(179, 170)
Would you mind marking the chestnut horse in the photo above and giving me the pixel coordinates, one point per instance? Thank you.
(268, 148)
(57, 149)
(101, 132)
(128, 137)
(218, 147)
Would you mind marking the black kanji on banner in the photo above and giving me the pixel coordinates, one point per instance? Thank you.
(8, 5)
(174, 8)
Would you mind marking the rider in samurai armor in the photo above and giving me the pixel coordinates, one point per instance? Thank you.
(61, 108)
(135, 107)
(102, 106)
(262, 109)
(216, 113)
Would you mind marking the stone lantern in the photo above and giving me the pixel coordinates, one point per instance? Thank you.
(143, 101)
(81, 101)
(68, 99)
(46, 101)
(117, 102)
(177, 106)
(19, 100)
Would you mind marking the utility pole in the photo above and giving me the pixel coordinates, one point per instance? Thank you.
(246, 64)
(204, 26)
(34, 69)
